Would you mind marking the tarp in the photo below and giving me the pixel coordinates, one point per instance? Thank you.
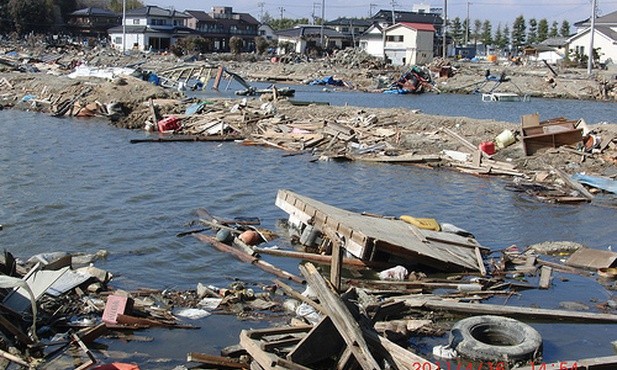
(596, 182)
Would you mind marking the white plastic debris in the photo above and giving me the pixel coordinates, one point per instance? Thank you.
(193, 313)
(444, 351)
(210, 303)
(309, 313)
(394, 273)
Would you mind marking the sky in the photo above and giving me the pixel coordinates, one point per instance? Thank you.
(496, 11)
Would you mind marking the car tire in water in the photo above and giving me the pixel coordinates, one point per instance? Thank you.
(495, 338)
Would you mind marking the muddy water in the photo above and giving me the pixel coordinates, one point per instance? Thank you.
(80, 186)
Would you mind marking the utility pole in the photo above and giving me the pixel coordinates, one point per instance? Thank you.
(123, 26)
(467, 26)
(592, 30)
(394, 4)
(313, 14)
(282, 10)
(323, 20)
(445, 28)
(370, 10)
(261, 5)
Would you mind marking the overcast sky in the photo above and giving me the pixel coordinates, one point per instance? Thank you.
(497, 11)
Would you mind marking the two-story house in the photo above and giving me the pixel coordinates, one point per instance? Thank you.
(150, 28)
(351, 27)
(409, 43)
(221, 24)
(373, 41)
(92, 22)
(604, 37)
(304, 37)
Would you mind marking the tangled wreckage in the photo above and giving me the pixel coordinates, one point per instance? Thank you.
(55, 306)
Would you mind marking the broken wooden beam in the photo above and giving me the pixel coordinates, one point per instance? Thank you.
(599, 363)
(342, 318)
(244, 257)
(218, 361)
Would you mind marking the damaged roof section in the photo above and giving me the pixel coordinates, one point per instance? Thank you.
(380, 239)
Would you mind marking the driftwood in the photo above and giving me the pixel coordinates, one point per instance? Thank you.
(249, 259)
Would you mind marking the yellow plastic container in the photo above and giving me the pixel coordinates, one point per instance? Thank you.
(491, 58)
(422, 223)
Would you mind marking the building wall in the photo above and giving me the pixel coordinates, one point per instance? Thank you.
(608, 49)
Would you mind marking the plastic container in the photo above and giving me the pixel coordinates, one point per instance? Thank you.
(487, 147)
(170, 123)
(504, 139)
(491, 58)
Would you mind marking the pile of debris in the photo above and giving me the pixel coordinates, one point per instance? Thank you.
(356, 58)
(365, 320)
(55, 305)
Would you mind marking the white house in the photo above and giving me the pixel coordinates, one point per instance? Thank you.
(150, 28)
(371, 41)
(409, 43)
(267, 32)
(303, 37)
(604, 39)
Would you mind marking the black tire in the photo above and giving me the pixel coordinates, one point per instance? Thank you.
(495, 338)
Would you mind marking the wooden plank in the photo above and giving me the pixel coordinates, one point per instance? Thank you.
(341, 317)
(225, 362)
(323, 259)
(512, 311)
(263, 358)
(545, 277)
(573, 184)
(592, 258)
(596, 363)
(480, 261)
(242, 256)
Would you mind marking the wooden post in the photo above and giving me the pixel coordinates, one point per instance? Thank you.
(335, 267)
(342, 318)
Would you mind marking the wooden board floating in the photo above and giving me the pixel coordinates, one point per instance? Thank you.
(375, 239)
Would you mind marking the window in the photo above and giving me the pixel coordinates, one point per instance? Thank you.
(395, 38)
(345, 29)
(118, 40)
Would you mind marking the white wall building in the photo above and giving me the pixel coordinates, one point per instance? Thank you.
(409, 43)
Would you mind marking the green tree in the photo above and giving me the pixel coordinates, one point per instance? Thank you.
(532, 32)
(285, 23)
(6, 25)
(498, 38)
(456, 31)
(487, 33)
(542, 30)
(235, 45)
(477, 31)
(66, 7)
(564, 30)
(554, 31)
(266, 18)
(30, 15)
(518, 32)
(506, 39)
(116, 5)
(261, 44)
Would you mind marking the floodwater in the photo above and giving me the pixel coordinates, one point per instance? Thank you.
(80, 186)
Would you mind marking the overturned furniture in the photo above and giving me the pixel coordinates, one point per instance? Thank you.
(382, 239)
(552, 133)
